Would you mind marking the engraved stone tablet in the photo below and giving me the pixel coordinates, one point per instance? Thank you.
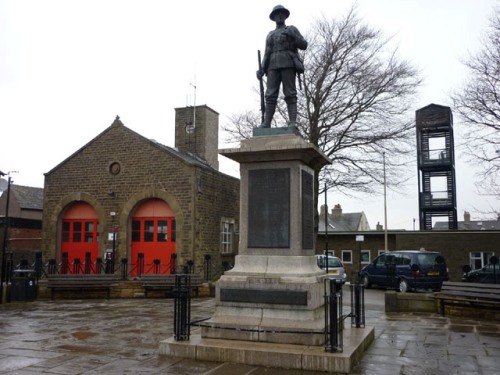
(269, 208)
(307, 211)
(277, 297)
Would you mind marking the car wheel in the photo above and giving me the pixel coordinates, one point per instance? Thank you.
(403, 286)
(366, 282)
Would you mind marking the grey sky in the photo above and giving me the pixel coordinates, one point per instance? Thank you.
(67, 68)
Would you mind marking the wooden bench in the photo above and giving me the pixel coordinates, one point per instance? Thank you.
(469, 295)
(166, 282)
(81, 282)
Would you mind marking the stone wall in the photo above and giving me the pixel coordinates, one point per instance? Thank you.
(198, 194)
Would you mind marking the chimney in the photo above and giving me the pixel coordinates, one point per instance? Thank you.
(466, 218)
(324, 208)
(197, 132)
(337, 212)
(379, 226)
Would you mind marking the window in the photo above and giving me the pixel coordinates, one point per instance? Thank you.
(136, 231)
(65, 231)
(479, 259)
(365, 256)
(77, 231)
(347, 256)
(89, 231)
(227, 230)
(162, 231)
(149, 230)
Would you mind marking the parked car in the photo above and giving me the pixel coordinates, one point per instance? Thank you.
(335, 267)
(406, 270)
(489, 274)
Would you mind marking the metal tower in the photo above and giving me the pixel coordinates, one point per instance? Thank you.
(436, 166)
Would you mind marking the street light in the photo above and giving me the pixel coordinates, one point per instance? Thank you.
(385, 207)
(4, 242)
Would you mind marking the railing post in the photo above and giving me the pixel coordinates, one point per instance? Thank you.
(52, 267)
(333, 316)
(88, 263)
(140, 264)
(98, 265)
(64, 263)
(207, 267)
(156, 263)
(173, 263)
(124, 268)
(38, 265)
(357, 305)
(76, 266)
(182, 307)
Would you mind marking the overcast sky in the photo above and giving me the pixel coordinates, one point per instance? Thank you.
(68, 67)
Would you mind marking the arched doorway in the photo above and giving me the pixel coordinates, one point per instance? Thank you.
(79, 238)
(153, 237)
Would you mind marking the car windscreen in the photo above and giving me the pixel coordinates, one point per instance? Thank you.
(334, 262)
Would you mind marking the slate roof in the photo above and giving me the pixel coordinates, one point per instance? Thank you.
(471, 225)
(186, 157)
(347, 222)
(28, 198)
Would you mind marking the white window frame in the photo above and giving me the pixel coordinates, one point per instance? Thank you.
(226, 236)
(345, 252)
(480, 258)
(369, 256)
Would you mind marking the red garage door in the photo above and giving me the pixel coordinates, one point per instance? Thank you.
(79, 236)
(153, 237)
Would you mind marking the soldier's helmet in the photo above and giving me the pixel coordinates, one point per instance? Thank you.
(277, 9)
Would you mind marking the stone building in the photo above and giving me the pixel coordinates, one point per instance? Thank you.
(125, 197)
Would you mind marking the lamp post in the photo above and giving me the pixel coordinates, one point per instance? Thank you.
(385, 207)
(359, 239)
(6, 225)
(326, 232)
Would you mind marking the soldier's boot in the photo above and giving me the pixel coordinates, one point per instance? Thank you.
(268, 115)
(292, 114)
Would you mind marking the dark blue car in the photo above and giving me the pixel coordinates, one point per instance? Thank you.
(406, 270)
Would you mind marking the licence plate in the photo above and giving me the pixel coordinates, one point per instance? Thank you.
(334, 272)
(433, 273)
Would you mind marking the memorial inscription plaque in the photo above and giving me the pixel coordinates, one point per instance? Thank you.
(307, 211)
(269, 208)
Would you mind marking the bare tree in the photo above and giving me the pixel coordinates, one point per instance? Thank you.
(478, 106)
(354, 105)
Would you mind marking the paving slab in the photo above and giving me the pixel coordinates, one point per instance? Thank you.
(122, 336)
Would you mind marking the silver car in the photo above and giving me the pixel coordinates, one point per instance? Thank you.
(334, 265)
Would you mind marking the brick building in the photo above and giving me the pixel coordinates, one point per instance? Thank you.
(24, 232)
(123, 196)
(459, 247)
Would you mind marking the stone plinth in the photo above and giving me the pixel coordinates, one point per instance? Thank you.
(275, 292)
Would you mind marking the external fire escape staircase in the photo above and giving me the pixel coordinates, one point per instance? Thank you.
(436, 166)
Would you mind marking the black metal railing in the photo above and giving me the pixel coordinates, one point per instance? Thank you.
(182, 307)
(334, 322)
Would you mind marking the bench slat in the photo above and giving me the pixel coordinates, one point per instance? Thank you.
(469, 294)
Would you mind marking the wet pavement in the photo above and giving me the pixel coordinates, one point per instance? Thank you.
(121, 336)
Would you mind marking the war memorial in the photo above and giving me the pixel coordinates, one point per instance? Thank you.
(270, 306)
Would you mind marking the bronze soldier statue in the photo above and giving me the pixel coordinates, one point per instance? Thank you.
(281, 63)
